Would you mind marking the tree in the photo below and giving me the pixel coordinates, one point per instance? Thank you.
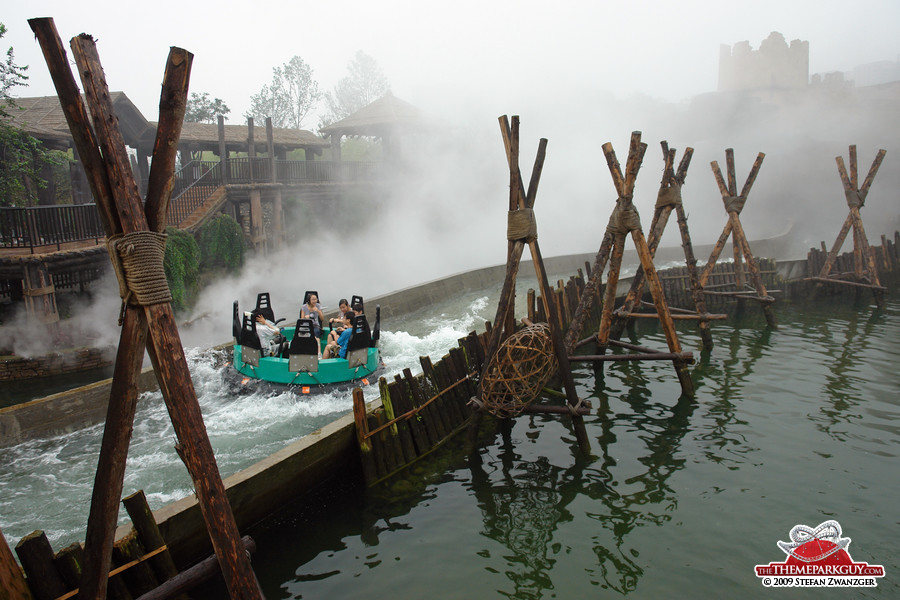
(289, 98)
(21, 156)
(364, 84)
(200, 109)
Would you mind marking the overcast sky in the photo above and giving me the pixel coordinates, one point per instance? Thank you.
(487, 53)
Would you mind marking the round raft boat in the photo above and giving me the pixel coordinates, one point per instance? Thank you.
(296, 357)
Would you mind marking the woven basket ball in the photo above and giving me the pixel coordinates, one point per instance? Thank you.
(519, 371)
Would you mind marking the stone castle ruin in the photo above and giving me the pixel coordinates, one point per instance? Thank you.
(775, 65)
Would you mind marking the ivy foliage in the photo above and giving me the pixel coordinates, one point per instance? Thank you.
(22, 157)
(182, 265)
(221, 244)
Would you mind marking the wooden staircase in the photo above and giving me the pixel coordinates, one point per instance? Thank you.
(210, 207)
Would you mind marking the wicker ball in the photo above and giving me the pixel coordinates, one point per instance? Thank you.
(519, 371)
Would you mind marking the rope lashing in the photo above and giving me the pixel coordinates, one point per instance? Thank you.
(137, 259)
(624, 218)
(854, 199)
(734, 204)
(521, 225)
(669, 196)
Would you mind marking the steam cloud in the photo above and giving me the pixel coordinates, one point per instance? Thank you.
(445, 212)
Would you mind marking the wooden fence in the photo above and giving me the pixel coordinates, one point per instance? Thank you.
(41, 226)
(142, 566)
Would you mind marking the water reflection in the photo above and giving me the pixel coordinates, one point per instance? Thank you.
(522, 503)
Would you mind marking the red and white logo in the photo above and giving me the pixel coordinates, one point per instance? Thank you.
(818, 558)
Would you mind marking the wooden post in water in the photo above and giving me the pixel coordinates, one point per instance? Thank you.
(734, 204)
(134, 244)
(521, 212)
(625, 219)
(669, 199)
(865, 273)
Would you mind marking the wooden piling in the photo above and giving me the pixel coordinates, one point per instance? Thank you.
(37, 559)
(367, 456)
(148, 532)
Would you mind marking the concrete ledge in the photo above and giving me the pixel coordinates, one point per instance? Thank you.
(63, 412)
(262, 488)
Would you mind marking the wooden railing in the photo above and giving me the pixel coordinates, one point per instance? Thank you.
(47, 225)
(37, 226)
(258, 170)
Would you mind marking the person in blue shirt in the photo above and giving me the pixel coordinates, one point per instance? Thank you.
(338, 348)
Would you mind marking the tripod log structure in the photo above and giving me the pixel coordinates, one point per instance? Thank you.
(669, 199)
(624, 220)
(734, 204)
(865, 274)
(135, 239)
(522, 230)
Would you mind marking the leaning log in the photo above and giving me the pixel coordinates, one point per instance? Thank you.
(194, 576)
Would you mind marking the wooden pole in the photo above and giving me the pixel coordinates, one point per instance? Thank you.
(192, 577)
(625, 219)
(510, 135)
(127, 216)
(148, 532)
(734, 204)
(865, 270)
(36, 555)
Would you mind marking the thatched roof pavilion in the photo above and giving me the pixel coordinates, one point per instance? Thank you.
(385, 118)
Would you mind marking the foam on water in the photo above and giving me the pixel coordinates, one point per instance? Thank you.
(47, 484)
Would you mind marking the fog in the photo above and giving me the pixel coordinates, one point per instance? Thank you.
(579, 77)
(448, 211)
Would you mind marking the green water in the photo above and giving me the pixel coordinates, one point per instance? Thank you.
(680, 497)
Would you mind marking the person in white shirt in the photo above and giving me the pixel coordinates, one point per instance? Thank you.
(269, 335)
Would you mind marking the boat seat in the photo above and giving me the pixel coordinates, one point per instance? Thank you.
(360, 341)
(303, 353)
(251, 349)
(264, 307)
(236, 324)
(354, 300)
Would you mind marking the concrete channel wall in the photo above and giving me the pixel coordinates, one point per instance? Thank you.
(260, 489)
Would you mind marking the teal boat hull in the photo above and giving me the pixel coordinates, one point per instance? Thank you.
(331, 370)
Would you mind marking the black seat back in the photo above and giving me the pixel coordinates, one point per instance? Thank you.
(354, 300)
(360, 340)
(236, 324)
(304, 348)
(309, 293)
(249, 340)
(264, 306)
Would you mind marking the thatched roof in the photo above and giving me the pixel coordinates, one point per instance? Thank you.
(43, 118)
(385, 114)
(237, 136)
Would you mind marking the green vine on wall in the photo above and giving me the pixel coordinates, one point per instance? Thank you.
(182, 265)
(221, 244)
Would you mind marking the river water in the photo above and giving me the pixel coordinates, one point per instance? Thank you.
(679, 496)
